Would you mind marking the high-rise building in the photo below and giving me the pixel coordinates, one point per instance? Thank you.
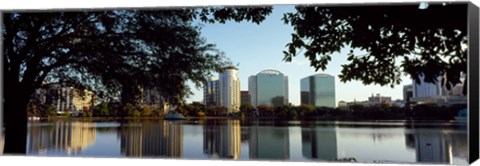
(211, 95)
(229, 85)
(407, 92)
(224, 91)
(425, 89)
(64, 98)
(245, 98)
(269, 88)
(318, 90)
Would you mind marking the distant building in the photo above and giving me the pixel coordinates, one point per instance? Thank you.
(211, 94)
(245, 98)
(424, 89)
(436, 93)
(378, 99)
(229, 84)
(224, 91)
(318, 90)
(151, 97)
(63, 98)
(269, 88)
(342, 105)
(407, 93)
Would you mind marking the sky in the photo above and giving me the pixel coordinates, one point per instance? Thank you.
(259, 47)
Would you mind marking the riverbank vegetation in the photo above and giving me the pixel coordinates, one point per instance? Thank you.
(287, 112)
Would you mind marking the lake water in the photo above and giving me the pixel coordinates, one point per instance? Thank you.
(363, 141)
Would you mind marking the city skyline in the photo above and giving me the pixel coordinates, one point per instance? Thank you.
(259, 47)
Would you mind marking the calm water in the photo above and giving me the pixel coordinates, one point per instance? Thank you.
(365, 141)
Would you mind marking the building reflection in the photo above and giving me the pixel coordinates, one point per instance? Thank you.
(221, 138)
(2, 141)
(436, 146)
(269, 142)
(70, 137)
(152, 140)
(319, 143)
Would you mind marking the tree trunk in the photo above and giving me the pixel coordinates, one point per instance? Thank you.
(15, 119)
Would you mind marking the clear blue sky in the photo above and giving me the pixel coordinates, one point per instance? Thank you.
(258, 47)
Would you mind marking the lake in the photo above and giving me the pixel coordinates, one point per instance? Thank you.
(361, 141)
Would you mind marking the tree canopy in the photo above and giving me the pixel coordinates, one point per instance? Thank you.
(422, 41)
(109, 52)
(112, 51)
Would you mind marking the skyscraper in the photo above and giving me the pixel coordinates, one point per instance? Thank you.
(269, 87)
(424, 89)
(211, 94)
(318, 90)
(229, 84)
(245, 98)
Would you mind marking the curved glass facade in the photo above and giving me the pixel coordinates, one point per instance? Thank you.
(318, 90)
(270, 88)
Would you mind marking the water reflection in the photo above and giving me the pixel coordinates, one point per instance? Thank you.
(434, 146)
(256, 140)
(163, 139)
(221, 139)
(2, 142)
(319, 143)
(68, 137)
(269, 142)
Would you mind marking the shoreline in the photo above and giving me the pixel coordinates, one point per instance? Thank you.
(237, 118)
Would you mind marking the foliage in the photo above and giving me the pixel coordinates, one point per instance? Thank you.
(265, 110)
(33, 110)
(51, 111)
(68, 113)
(147, 111)
(216, 111)
(157, 112)
(247, 109)
(115, 53)
(102, 109)
(391, 41)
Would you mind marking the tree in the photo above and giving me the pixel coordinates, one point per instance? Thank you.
(109, 52)
(147, 111)
(247, 109)
(103, 109)
(396, 39)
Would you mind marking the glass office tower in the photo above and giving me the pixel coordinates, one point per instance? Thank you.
(318, 90)
(269, 88)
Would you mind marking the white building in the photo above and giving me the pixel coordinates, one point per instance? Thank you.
(229, 88)
(436, 93)
(152, 97)
(64, 98)
(424, 89)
